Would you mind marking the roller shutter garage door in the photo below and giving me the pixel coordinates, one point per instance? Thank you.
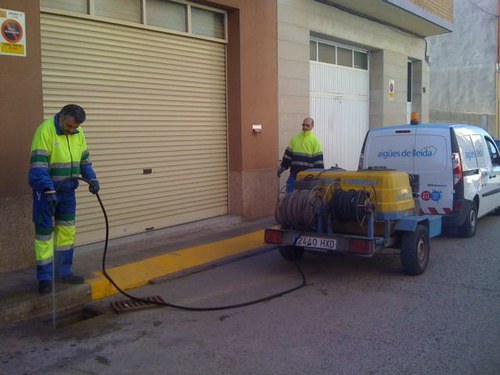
(156, 121)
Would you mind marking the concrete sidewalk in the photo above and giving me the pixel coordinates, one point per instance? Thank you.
(135, 261)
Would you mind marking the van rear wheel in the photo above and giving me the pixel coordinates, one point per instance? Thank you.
(468, 228)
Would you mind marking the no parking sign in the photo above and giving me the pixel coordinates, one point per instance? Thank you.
(12, 33)
(392, 90)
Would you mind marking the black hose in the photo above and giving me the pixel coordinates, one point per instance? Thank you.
(189, 308)
(348, 206)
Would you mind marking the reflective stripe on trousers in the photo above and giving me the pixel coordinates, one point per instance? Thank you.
(48, 236)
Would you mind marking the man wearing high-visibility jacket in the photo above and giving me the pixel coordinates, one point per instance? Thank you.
(303, 152)
(58, 152)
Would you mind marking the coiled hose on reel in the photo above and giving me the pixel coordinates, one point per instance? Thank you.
(348, 206)
(300, 208)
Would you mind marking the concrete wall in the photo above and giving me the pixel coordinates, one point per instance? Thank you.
(463, 87)
(390, 49)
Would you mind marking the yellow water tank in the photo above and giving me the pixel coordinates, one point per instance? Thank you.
(390, 190)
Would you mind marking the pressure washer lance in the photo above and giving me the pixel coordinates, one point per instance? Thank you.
(53, 207)
(188, 308)
(53, 201)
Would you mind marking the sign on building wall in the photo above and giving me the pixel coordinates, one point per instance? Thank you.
(392, 90)
(12, 33)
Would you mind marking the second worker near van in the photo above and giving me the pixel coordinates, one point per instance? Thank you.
(303, 152)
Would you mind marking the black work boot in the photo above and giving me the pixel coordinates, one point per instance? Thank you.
(72, 279)
(44, 287)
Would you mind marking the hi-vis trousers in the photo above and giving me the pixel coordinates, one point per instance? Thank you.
(54, 235)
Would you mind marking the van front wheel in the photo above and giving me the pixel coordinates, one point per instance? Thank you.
(468, 228)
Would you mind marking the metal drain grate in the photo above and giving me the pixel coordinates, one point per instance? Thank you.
(132, 304)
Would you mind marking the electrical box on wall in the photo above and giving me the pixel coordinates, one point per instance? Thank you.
(257, 128)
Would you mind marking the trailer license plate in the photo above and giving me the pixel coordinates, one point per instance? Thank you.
(316, 242)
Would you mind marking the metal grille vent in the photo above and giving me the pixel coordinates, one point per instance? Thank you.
(132, 304)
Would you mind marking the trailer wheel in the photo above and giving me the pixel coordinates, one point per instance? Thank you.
(468, 228)
(291, 253)
(415, 251)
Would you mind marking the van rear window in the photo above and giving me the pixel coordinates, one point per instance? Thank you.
(415, 153)
(431, 153)
(389, 151)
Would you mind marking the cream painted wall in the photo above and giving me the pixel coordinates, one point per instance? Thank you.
(298, 18)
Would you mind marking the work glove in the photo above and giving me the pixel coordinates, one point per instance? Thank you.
(280, 171)
(94, 186)
(50, 197)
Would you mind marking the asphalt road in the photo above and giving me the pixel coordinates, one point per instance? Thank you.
(355, 316)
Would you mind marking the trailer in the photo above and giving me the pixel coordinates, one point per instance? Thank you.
(356, 213)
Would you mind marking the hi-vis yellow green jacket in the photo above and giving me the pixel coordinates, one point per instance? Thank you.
(303, 152)
(56, 156)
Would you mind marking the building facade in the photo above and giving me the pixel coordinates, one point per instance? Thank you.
(354, 65)
(171, 91)
(190, 104)
(464, 67)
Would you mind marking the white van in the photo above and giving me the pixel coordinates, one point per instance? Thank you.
(458, 168)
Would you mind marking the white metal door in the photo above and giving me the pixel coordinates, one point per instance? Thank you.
(339, 105)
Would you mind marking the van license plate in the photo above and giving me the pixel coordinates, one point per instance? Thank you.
(317, 242)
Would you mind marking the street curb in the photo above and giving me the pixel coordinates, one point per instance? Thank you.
(140, 273)
(207, 266)
(36, 305)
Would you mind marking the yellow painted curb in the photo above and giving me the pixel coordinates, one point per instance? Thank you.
(137, 274)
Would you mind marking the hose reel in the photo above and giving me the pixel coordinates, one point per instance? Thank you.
(300, 208)
(350, 205)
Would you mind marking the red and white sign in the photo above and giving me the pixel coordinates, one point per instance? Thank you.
(12, 33)
(392, 89)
